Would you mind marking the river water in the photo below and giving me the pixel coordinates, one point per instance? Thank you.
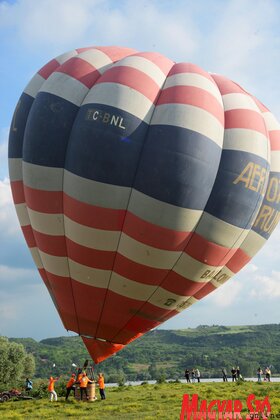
(135, 383)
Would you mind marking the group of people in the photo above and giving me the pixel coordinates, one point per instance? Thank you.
(192, 375)
(266, 372)
(235, 374)
(81, 380)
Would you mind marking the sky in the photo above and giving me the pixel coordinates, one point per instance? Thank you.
(237, 38)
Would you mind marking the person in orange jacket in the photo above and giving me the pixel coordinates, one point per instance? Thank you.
(83, 385)
(70, 385)
(101, 384)
(53, 394)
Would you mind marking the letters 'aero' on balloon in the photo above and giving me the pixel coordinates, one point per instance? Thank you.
(141, 185)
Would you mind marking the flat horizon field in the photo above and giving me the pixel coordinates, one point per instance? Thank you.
(148, 402)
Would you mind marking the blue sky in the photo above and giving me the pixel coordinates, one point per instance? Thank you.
(237, 38)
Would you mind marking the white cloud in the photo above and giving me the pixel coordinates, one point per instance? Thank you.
(226, 295)
(48, 21)
(250, 268)
(11, 275)
(70, 23)
(8, 311)
(4, 133)
(9, 225)
(266, 287)
(270, 251)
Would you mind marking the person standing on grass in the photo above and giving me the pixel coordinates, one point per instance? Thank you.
(224, 372)
(53, 394)
(28, 385)
(259, 374)
(70, 385)
(101, 384)
(267, 374)
(233, 374)
(193, 375)
(187, 375)
(83, 385)
(238, 375)
(197, 374)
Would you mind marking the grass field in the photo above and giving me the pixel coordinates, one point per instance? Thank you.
(145, 402)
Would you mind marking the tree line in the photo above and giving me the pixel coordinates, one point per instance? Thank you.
(163, 353)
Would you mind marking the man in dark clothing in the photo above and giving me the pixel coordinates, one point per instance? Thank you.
(233, 374)
(187, 375)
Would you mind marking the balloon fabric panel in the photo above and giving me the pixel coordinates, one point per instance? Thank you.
(141, 185)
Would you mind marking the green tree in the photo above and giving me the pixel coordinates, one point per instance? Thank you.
(15, 363)
(28, 365)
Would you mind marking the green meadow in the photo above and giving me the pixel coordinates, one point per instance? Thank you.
(145, 402)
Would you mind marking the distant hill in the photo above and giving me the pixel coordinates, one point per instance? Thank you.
(168, 353)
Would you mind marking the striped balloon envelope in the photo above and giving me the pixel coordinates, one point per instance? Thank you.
(141, 185)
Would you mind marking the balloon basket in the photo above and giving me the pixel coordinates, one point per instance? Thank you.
(90, 391)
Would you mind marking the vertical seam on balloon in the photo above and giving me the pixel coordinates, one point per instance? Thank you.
(128, 201)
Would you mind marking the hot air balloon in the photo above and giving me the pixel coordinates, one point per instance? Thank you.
(141, 185)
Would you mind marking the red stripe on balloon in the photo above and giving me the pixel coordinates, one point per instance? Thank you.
(88, 303)
(80, 70)
(18, 192)
(93, 216)
(132, 78)
(274, 137)
(204, 291)
(191, 95)
(180, 68)
(90, 257)
(175, 283)
(116, 53)
(238, 260)
(49, 68)
(245, 118)
(138, 272)
(154, 235)
(207, 252)
(50, 244)
(29, 236)
(227, 86)
(49, 202)
(62, 292)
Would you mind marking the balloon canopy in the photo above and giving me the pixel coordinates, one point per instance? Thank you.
(141, 185)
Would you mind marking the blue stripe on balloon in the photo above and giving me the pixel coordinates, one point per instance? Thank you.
(237, 203)
(48, 130)
(269, 213)
(178, 166)
(105, 144)
(18, 126)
